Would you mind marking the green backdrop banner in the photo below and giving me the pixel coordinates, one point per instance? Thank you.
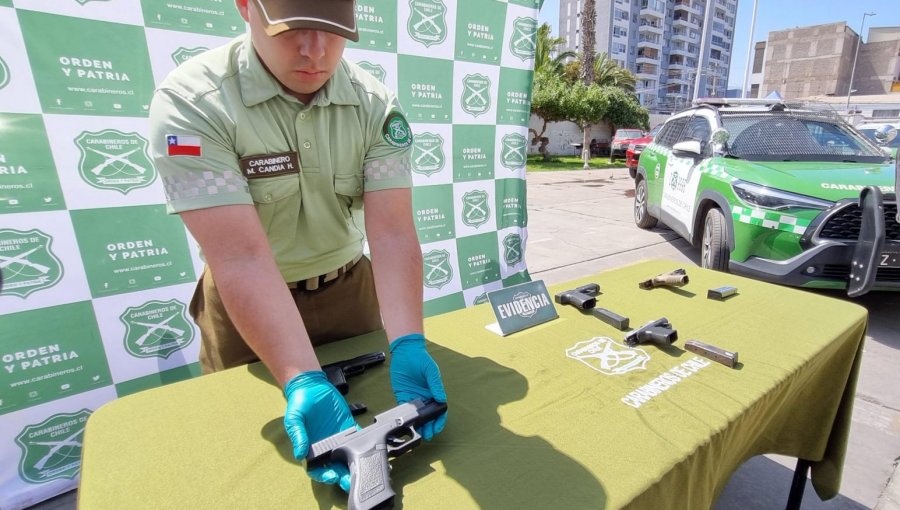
(97, 277)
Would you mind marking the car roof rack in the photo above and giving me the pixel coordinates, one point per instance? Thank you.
(734, 101)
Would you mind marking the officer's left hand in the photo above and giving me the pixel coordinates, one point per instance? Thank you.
(415, 375)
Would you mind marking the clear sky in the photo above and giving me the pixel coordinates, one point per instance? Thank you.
(773, 15)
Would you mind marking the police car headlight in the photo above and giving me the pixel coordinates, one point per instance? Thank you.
(770, 198)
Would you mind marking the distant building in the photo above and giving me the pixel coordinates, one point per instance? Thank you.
(868, 108)
(809, 61)
(661, 42)
(878, 65)
(756, 72)
(818, 61)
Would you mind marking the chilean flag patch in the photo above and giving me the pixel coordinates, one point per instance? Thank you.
(183, 145)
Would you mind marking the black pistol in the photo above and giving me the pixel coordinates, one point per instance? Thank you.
(339, 371)
(582, 298)
(659, 332)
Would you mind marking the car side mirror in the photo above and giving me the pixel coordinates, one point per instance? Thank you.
(885, 134)
(687, 149)
(720, 136)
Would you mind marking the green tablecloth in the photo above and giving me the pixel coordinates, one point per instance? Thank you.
(529, 426)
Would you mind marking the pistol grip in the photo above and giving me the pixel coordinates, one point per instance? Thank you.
(336, 377)
(370, 480)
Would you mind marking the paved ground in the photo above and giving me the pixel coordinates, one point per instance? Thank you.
(581, 223)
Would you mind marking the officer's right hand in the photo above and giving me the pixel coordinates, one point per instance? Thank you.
(316, 410)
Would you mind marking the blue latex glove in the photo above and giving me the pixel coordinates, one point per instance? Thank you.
(316, 410)
(415, 375)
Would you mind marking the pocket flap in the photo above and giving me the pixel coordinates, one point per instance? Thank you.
(273, 189)
(350, 185)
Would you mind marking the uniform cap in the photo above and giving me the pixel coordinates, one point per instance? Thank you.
(335, 16)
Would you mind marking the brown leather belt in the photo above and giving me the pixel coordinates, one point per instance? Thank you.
(317, 281)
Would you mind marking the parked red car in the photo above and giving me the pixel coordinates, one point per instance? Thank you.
(633, 152)
(622, 138)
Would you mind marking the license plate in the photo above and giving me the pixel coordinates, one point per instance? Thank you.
(889, 259)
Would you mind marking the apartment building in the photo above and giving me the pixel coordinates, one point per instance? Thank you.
(662, 42)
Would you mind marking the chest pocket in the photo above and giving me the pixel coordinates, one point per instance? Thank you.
(277, 202)
(349, 191)
(346, 158)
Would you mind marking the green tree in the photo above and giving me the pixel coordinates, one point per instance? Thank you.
(546, 102)
(554, 99)
(608, 73)
(547, 54)
(549, 62)
(586, 105)
(624, 109)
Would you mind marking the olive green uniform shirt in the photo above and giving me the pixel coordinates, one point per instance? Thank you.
(224, 132)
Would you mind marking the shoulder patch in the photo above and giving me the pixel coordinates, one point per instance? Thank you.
(396, 131)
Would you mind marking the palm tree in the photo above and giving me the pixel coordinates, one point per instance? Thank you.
(608, 72)
(549, 61)
(547, 56)
(588, 40)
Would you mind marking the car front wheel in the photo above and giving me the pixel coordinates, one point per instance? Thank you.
(714, 250)
(641, 215)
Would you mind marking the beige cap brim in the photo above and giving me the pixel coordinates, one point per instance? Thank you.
(335, 16)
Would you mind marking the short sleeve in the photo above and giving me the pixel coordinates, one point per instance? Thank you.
(386, 164)
(193, 155)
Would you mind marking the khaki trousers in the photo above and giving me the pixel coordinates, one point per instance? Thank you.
(339, 309)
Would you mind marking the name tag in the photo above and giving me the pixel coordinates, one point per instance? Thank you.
(270, 165)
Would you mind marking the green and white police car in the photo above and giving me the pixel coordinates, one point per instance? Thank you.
(779, 191)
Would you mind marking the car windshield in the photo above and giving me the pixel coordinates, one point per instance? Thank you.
(629, 133)
(870, 134)
(796, 136)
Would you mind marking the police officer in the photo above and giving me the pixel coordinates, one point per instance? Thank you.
(269, 147)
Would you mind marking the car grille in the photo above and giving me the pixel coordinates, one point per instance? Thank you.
(845, 223)
(842, 272)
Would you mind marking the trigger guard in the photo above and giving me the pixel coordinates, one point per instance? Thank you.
(397, 446)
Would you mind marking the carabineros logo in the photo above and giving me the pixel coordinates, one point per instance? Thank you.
(156, 329)
(514, 151)
(522, 41)
(4, 73)
(375, 70)
(481, 299)
(427, 21)
(512, 249)
(27, 262)
(476, 211)
(428, 154)
(52, 449)
(182, 54)
(111, 159)
(437, 269)
(476, 96)
(396, 130)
